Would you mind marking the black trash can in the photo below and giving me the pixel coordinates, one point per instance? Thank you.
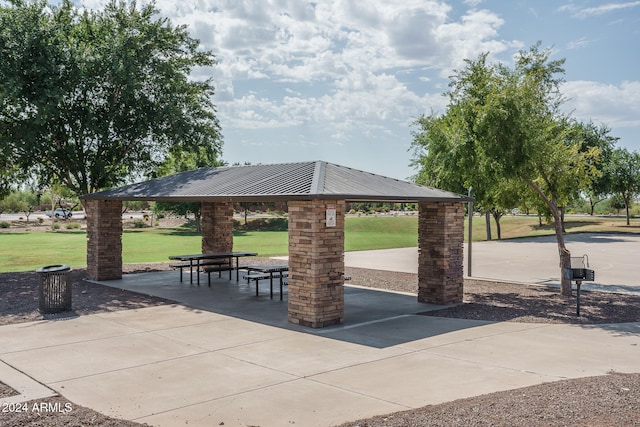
(55, 289)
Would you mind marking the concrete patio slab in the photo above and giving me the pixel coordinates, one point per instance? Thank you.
(228, 333)
(302, 402)
(65, 362)
(238, 299)
(563, 351)
(161, 317)
(308, 376)
(308, 355)
(448, 331)
(169, 385)
(26, 336)
(412, 379)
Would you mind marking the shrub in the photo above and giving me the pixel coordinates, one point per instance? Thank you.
(5, 224)
(72, 226)
(138, 223)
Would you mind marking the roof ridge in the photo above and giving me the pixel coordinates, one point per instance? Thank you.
(319, 173)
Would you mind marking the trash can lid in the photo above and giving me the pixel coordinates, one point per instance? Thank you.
(53, 268)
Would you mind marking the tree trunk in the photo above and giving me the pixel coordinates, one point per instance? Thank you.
(564, 230)
(487, 220)
(496, 216)
(626, 206)
(198, 221)
(563, 252)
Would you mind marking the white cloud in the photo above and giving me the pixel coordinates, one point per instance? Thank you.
(579, 12)
(580, 43)
(338, 67)
(349, 53)
(616, 106)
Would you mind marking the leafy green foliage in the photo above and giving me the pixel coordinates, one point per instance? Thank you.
(90, 99)
(504, 125)
(624, 172)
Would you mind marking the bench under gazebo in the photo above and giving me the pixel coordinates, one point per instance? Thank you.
(316, 194)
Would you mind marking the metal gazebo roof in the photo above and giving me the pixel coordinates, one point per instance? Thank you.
(285, 181)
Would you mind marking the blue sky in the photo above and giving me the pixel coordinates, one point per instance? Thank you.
(344, 80)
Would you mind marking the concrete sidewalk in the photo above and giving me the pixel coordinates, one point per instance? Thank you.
(175, 365)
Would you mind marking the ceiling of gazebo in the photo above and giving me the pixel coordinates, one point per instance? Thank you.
(285, 181)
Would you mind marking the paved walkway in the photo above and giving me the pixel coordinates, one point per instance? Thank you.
(614, 257)
(227, 356)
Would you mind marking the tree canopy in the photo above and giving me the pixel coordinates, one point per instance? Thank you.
(504, 124)
(90, 99)
(624, 172)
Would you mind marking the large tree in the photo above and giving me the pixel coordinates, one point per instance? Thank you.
(90, 99)
(506, 123)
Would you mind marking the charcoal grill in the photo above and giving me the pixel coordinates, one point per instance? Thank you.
(579, 272)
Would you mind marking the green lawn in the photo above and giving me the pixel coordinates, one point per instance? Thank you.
(30, 250)
(528, 226)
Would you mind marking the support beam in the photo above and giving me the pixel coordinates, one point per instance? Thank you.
(104, 234)
(440, 253)
(217, 227)
(316, 263)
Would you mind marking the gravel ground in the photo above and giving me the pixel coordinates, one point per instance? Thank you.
(610, 400)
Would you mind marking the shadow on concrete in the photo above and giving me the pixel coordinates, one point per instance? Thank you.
(372, 317)
(607, 237)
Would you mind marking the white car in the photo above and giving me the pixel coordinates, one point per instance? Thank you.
(60, 213)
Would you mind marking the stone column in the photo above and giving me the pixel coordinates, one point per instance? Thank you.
(440, 253)
(104, 234)
(316, 263)
(217, 227)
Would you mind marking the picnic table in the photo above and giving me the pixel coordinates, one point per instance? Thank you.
(219, 261)
(258, 272)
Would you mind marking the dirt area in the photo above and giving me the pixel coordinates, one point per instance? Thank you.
(610, 400)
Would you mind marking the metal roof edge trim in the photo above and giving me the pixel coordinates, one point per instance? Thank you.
(262, 198)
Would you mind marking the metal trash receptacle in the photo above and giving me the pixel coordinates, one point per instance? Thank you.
(55, 289)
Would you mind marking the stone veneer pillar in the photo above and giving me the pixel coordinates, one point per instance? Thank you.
(440, 253)
(217, 227)
(104, 234)
(316, 264)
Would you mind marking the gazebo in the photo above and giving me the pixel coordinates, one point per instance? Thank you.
(316, 193)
